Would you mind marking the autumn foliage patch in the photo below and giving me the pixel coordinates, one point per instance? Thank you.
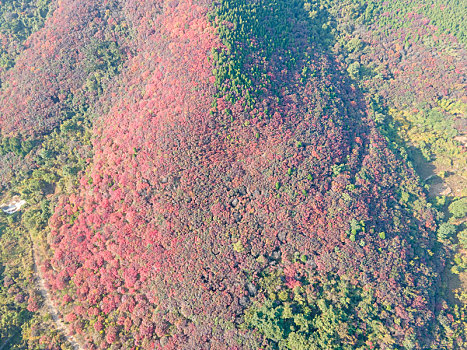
(239, 194)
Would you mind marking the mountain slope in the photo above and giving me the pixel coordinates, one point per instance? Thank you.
(219, 175)
(187, 209)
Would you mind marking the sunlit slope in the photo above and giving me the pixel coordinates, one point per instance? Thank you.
(239, 195)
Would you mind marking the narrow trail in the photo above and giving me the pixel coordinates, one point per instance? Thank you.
(49, 304)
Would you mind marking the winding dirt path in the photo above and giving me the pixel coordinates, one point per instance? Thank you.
(50, 306)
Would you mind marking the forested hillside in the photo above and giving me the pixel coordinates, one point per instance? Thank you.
(233, 175)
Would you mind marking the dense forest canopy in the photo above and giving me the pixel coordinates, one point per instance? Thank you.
(234, 174)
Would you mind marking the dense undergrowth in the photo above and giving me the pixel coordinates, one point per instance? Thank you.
(39, 164)
(18, 20)
(235, 175)
(446, 16)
